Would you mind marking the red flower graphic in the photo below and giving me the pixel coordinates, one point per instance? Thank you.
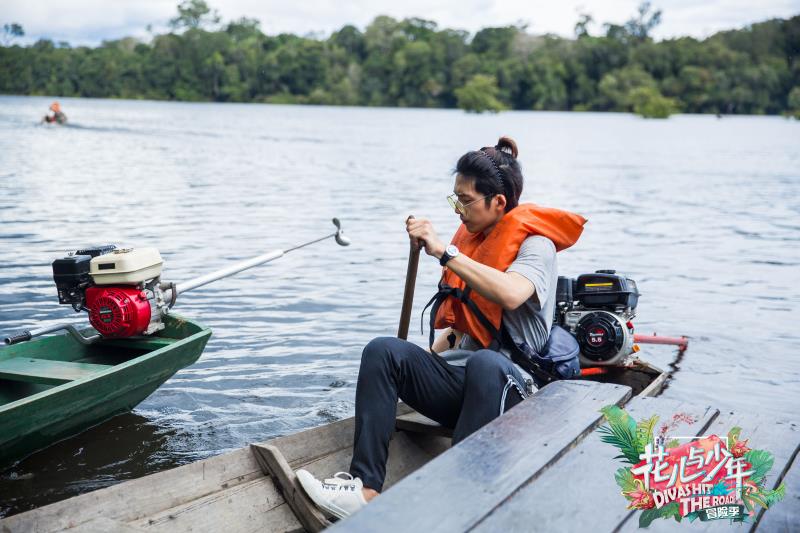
(740, 448)
(640, 498)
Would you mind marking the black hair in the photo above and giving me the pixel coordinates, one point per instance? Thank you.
(494, 170)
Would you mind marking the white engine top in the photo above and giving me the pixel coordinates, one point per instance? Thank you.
(126, 266)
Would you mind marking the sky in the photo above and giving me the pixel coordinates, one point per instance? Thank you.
(89, 22)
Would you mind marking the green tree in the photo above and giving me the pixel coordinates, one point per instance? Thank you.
(351, 40)
(194, 14)
(617, 86)
(582, 26)
(640, 26)
(11, 31)
(637, 29)
(479, 94)
(494, 43)
(243, 29)
(649, 103)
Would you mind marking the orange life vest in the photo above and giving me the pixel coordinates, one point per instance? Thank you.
(456, 307)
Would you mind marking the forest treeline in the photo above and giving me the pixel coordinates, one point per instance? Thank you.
(413, 62)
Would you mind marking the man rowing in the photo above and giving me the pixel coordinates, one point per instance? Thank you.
(495, 308)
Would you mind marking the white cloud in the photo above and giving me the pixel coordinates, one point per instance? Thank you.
(91, 21)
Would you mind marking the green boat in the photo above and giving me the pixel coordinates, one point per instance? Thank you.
(55, 387)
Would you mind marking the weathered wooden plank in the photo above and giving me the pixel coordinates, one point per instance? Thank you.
(578, 493)
(655, 386)
(105, 525)
(418, 423)
(784, 516)
(143, 497)
(274, 464)
(34, 370)
(458, 488)
(252, 506)
(780, 437)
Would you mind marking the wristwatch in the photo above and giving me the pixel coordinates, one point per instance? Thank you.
(449, 253)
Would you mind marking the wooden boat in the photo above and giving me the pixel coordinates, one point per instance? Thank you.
(54, 387)
(254, 489)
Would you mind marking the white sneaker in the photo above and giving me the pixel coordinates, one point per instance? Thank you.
(340, 495)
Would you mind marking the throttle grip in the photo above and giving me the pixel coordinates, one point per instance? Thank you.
(19, 337)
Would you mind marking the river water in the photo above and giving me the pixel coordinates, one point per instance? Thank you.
(703, 212)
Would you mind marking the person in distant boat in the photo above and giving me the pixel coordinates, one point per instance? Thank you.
(58, 116)
(495, 305)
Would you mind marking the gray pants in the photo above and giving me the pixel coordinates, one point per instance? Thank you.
(463, 398)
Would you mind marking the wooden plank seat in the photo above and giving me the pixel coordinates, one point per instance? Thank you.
(45, 371)
(457, 489)
(416, 423)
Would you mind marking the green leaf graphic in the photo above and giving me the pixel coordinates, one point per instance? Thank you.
(762, 462)
(733, 435)
(621, 432)
(625, 479)
(644, 430)
(647, 516)
(672, 510)
(771, 497)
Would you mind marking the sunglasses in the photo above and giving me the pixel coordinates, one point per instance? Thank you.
(461, 207)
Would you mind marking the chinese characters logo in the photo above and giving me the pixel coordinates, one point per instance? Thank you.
(706, 478)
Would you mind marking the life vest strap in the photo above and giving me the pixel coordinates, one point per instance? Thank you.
(443, 293)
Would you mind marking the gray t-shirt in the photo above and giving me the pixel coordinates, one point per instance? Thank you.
(531, 321)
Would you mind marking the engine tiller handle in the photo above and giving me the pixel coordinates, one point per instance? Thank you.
(19, 337)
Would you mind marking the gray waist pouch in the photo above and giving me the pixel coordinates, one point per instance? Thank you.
(558, 357)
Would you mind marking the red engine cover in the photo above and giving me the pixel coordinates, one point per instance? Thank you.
(118, 311)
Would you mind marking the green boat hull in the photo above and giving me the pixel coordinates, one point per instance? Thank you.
(55, 387)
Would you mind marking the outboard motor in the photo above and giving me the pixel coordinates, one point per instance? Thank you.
(597, 309)
(119, 288)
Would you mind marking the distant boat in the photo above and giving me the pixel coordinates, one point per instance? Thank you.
(60, 119)
(58, 116)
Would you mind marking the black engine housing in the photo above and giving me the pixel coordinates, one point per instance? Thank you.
(71, 274)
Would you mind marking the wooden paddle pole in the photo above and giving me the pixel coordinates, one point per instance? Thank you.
(408, 294)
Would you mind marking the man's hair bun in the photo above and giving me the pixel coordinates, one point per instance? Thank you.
(507, 145)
